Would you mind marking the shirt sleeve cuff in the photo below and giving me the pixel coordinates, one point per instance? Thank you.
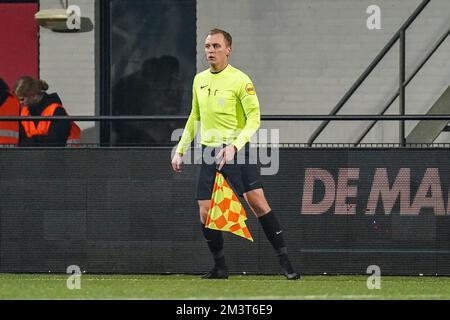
(180, 150)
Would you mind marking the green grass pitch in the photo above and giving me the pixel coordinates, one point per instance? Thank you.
(183, 287)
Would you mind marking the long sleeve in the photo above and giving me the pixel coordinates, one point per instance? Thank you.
(191, 127)
(250, 105)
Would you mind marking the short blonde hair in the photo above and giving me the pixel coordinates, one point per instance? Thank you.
(226, 35)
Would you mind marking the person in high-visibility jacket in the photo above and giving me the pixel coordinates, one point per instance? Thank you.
(9, 106)
(36, 102)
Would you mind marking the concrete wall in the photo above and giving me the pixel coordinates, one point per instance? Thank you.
(67, 63)
(304, 55)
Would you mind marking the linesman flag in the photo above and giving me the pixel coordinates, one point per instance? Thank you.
(226, 212)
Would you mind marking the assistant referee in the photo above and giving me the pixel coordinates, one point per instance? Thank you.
(225, 104)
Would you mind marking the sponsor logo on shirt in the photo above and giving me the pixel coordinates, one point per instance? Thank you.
(250, 89)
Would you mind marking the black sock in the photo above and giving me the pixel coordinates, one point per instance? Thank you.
(274, 233)
(214, 240)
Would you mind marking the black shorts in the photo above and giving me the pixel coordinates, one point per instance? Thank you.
(242, 175)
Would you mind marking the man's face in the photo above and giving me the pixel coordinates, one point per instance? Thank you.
(216, 50)
(28, 100)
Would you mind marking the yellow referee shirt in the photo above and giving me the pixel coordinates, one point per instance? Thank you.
(227, 108)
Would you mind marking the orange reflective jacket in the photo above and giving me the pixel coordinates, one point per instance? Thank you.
(43, 127)
(9, 130)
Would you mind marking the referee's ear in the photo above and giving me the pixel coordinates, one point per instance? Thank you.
(229, 51)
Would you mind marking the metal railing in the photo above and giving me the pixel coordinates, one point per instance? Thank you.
(411, 117)
(406, 83)
(403, 82)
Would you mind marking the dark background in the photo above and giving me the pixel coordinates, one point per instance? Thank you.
(148, 62)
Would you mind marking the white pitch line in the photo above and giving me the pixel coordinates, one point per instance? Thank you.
(317, 297)
(143, 279)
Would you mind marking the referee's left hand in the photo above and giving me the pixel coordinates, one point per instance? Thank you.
(226, 155)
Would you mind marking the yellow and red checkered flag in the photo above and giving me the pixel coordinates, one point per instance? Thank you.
(226, 212)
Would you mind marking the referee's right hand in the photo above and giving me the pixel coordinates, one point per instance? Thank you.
(177, 162)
